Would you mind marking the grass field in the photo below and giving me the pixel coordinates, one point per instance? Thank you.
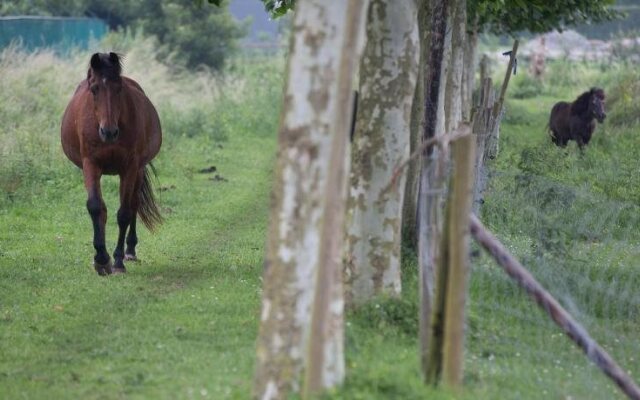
(182, 323)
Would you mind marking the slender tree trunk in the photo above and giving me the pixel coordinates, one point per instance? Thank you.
(417, 126)
(454, 89)
(381, 142)
(469, 74)
(452, 102)
(427, 200)
(302, 277)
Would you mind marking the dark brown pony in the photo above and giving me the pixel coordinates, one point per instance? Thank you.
(110, 127)
(576, 121)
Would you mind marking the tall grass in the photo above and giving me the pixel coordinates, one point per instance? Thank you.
(572, 218)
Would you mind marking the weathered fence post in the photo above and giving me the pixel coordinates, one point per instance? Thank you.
(459, 210)
(445, 352)
(482, 127)
(494, 136)
(485, 68)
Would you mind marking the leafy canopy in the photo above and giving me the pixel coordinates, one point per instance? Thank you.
(512, 16)
(536, 16)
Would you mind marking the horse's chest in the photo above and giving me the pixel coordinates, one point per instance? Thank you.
(582, 127)
(113, 160)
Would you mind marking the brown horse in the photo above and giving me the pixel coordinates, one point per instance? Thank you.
(576, 121)
(110, 127)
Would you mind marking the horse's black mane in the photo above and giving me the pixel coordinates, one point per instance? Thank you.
(107, 65)
(581, 104)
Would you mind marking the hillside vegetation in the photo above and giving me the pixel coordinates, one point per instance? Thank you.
(182, 322)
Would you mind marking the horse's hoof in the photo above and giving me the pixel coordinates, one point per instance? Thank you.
(130, 257)
(116, 271)
(103, 269)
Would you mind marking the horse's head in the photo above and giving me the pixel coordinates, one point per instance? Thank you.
(105, 83)
(596, 104)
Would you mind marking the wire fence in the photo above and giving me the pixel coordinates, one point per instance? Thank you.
(582, 246)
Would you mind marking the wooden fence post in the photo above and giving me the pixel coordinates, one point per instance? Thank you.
(449, 282)
(460, 200)
(482, 126)
(494, 136)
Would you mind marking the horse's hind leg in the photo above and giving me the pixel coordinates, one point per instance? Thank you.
(132, 237)
(126, 214)
(98, 212)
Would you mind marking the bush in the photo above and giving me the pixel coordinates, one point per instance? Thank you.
(200, 35)
(526, 87)
(622, 103)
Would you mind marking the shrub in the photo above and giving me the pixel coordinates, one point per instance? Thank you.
(200, 35)
(622, 99)
(526, 87)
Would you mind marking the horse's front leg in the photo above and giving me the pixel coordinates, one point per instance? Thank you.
(126, 216)
(581, 143)
(98, 212)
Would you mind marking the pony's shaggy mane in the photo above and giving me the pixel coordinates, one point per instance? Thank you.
(581, 104)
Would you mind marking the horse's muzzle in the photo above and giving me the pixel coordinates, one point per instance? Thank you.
(601, 118)
(109, 135)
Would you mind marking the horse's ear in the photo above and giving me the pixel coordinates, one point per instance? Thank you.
(116, 62)
(95, 62)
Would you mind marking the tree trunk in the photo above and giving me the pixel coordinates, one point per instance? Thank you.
(447, 120)
(469, 74)
(427, 199)
(454, 90)
(381, 142)
(302, 277)
(417, 126)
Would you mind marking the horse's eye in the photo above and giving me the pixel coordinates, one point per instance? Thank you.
(94, 89)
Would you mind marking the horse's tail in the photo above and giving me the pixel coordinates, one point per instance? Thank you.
(547, 128)
(148, 207)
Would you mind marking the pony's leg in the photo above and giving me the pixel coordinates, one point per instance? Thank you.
(132, 237)
(98, 212)
(132, 241)
(125, 216)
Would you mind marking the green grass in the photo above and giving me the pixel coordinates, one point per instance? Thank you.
(182, 323)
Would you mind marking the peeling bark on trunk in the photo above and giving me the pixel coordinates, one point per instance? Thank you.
(305, 232)
(387, 81)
